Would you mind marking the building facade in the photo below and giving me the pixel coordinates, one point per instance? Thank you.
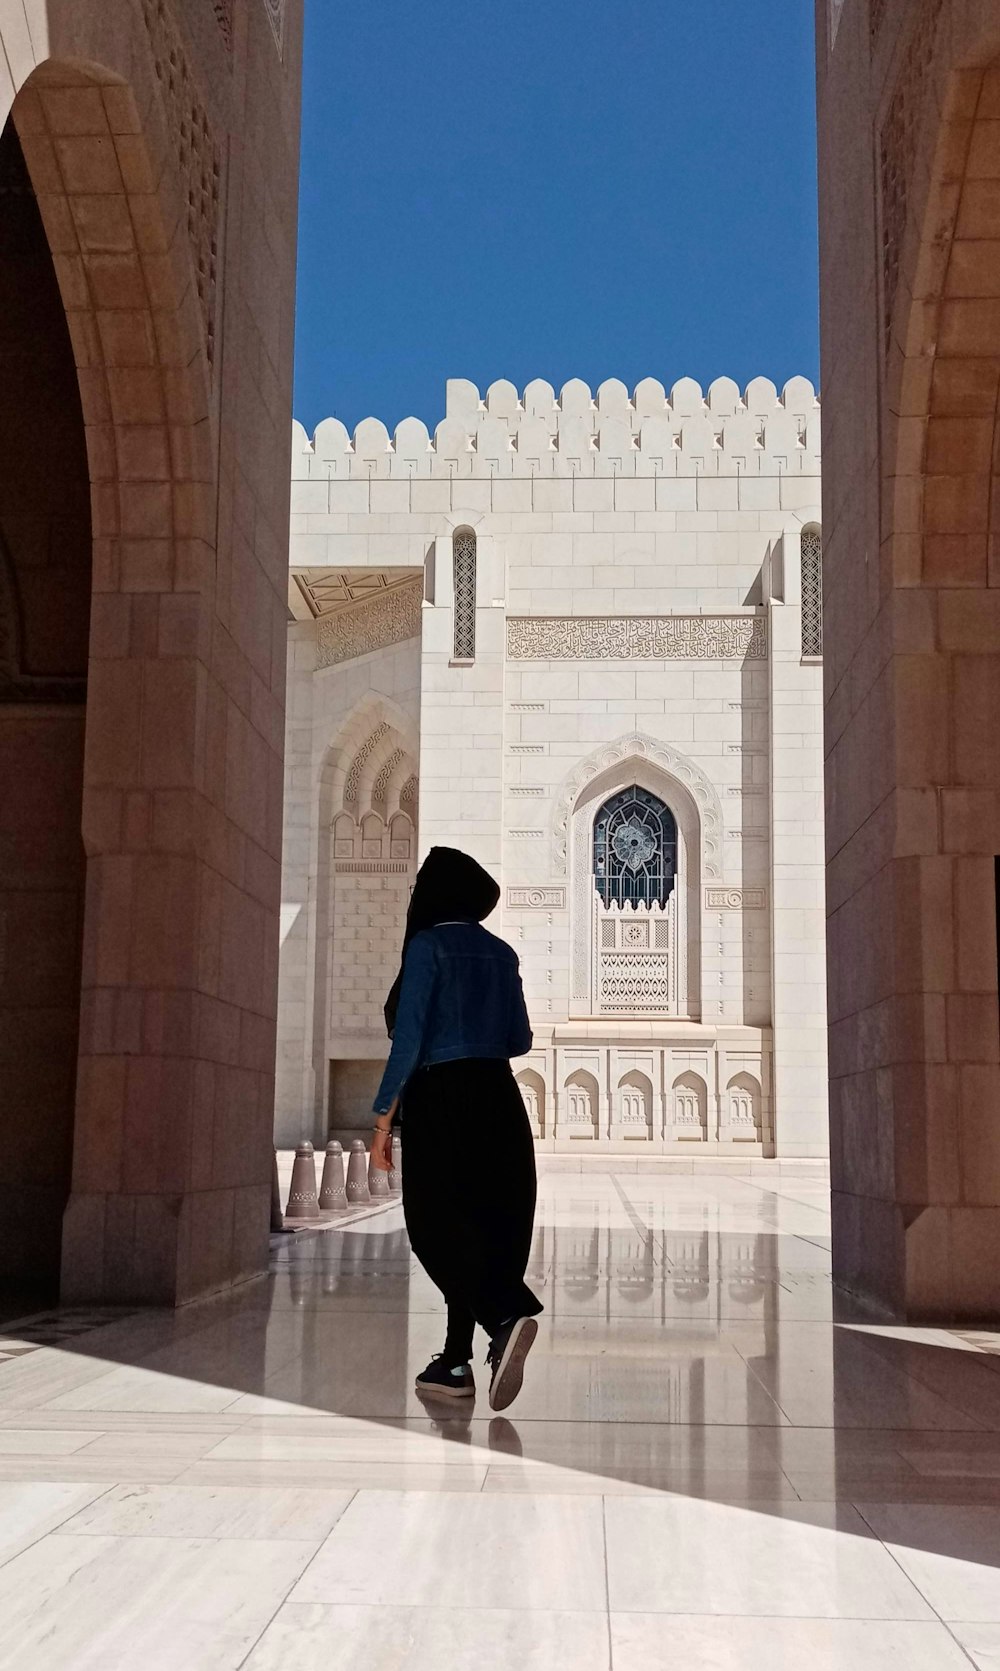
(909, 118)
(580, 637)
(148, 189)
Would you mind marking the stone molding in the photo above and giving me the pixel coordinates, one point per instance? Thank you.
(388, 618)
(637, 638)
(536, 899)
(639, 747)
(354, 775)
(735, 899)
(371, 867)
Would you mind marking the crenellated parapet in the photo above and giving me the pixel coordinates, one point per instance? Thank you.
(686, 432)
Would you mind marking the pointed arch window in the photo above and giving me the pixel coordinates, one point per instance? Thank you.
(464, 558)
(635, 849)
(812, 594)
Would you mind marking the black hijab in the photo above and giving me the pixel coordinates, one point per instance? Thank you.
(450, 887)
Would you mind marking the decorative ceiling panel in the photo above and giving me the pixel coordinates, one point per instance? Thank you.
(327, 590)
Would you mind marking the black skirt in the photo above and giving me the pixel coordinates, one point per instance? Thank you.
(469, 1187)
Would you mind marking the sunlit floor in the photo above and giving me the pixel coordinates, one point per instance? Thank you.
(703, 1469)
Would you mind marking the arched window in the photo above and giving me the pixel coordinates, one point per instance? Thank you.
(635, 849)
(812, 594)
(464, 553)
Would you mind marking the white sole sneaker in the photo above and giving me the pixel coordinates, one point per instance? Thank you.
(506, 1383)
(434, 1389)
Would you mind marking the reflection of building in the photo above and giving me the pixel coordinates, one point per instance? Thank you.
(909, 101)
(579, 637)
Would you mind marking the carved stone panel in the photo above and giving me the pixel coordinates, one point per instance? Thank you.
(536, 899)
(199, 160)
(389, 618)
(637, 638)
(735, 899)
(224, 17)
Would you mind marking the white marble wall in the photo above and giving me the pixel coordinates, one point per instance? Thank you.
(589, 512)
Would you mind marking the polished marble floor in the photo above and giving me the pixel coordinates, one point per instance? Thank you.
(707, 1467)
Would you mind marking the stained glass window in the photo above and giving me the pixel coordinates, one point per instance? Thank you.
(635, 849)
(464, 547)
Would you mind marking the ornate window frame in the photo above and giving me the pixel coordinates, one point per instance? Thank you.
(812, 592)
(464, 550)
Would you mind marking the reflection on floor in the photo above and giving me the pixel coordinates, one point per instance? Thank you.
(703, 1470)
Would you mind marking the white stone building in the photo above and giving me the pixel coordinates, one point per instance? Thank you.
(580, 637)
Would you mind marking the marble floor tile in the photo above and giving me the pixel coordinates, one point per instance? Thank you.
(648, 1642)
(41, 1442)
(413, 1549)
(31, 1509)
(981, 1643)
(673, 1555)
(701, 1418)
(165, 1604)
(951, 1553)
(391, 1638)
(187, 1511)
(339, 1476)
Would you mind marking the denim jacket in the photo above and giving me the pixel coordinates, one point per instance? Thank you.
(461, 996)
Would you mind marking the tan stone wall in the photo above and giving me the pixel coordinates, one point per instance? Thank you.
(166, 176)
(911, 378)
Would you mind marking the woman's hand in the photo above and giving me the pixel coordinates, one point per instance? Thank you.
(381, 1156)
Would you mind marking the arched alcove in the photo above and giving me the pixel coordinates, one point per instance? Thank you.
(366, 802)
(674, 931)
(635, 1105)
(743, 1110)
(690, 1110)
(580, 1113)
(532, 1088)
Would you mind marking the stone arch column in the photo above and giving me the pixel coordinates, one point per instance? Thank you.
(913, 777)
(124, 128)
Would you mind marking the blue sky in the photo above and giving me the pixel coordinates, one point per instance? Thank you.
(552, 188)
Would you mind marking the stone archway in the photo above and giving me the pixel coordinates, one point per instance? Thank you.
(124, 130)
(132, 344)
(912, 566)
(45, 592)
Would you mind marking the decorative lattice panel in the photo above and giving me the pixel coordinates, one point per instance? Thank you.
(465, 596)
(812, 593)
(635, 958)
(898, 146)
(199, 160)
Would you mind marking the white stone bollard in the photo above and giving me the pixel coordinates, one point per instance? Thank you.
(333, 1195)
(396, 1175)
(302, 1202)
(378, 1182)
(357, 1176)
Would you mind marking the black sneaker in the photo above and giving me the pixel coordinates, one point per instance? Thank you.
(447, 1380)
(508, 1350)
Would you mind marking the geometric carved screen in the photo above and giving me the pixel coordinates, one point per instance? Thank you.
(464, 546)
(812, 594)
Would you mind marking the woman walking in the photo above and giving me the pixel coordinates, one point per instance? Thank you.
(456, 1015)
